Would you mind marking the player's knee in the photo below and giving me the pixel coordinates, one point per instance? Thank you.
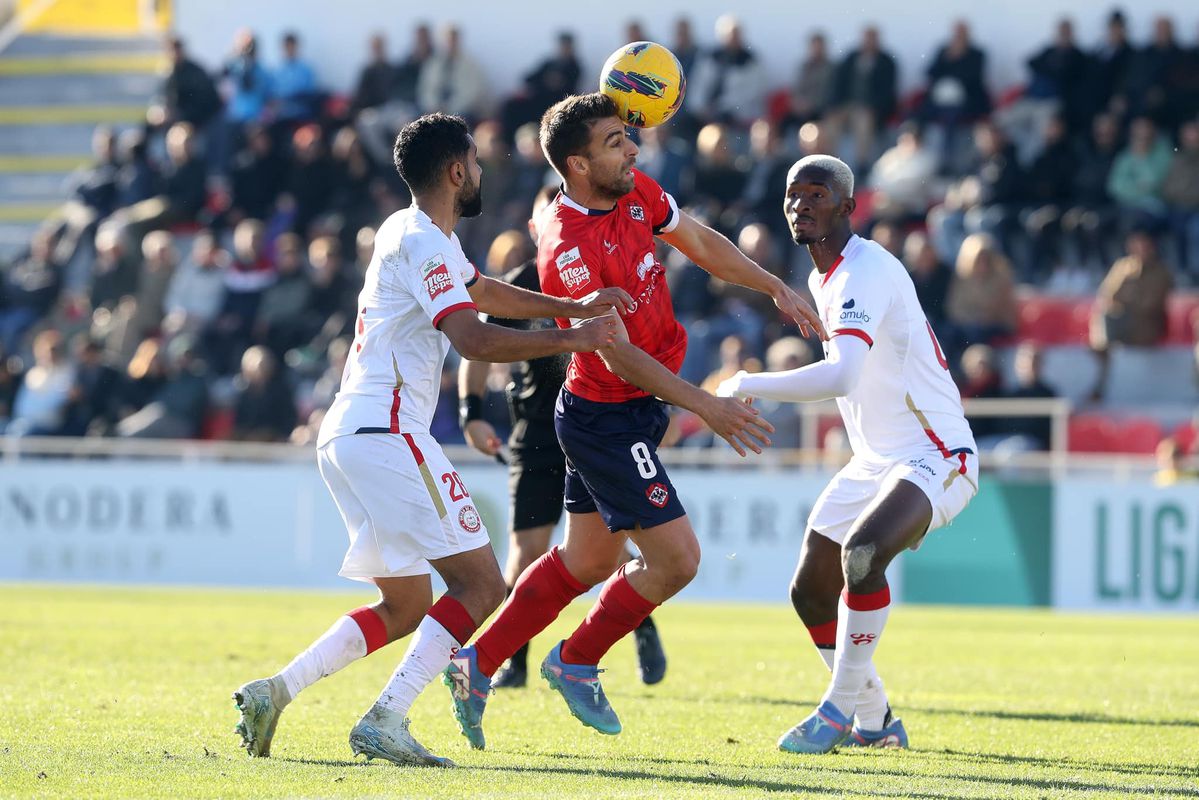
(679, 572)
(862, 566)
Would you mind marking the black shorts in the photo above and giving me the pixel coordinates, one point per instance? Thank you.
(612, 461)
(536, 491)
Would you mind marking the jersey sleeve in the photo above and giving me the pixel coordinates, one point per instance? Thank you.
(437, 283)
(857, 304)
(662, 211)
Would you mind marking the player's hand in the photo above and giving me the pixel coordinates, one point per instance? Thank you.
(480, 435)
(795, 307)
(731, 387)
(738, 423)
(599, 302)
(595, 333)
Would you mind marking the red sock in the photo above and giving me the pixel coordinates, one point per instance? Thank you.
(454, 617)
(618, 611)
(372, 627)
(540, 594)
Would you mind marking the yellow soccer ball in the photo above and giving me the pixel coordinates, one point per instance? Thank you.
(646, 81)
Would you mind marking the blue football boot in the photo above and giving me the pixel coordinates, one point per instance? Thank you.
(823, 730)
(892, 735)
(580, 687)
(469, 689)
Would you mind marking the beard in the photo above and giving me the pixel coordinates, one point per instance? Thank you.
(470, 200)
(616, 187)
(803, 239)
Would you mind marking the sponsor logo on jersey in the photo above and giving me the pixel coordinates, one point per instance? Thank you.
(609, 246)
(637, 213)
(571, 269)
(438, 280)
(469, 519)
(658, 494)
(862, 638)
(848, 304)
(850, 314)
(645, 266)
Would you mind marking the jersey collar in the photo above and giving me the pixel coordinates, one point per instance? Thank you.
(591, 212)
(850, 246)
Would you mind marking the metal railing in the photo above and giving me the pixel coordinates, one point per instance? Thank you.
(1055, 462)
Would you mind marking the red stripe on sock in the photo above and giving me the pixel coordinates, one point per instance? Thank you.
(824, 635)
(372, 627)
(454, 617)
(868, 602)
(541, 592)
(618, 611)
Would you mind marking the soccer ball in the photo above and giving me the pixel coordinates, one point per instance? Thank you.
(646, 81)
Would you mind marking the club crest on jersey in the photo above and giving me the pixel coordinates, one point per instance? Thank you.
(437, 276)
(571, 269)
(658, 494)
(469, 519)
(637, 213)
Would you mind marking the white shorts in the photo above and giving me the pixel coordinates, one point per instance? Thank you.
(402, 502)
(950, 484)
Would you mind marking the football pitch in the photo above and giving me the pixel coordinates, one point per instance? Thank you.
(120, 692)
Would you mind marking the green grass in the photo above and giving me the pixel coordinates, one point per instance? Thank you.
(118, 692)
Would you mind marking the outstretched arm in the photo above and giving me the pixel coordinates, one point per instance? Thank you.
(511, 302)
(732, 420)
(720, 257)
(836, 376)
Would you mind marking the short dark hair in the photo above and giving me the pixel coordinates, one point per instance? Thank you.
(566, 126)
(426, 146)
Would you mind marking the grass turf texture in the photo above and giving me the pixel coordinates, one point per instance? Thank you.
(118, 692)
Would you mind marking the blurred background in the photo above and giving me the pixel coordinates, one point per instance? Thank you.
(190, 194)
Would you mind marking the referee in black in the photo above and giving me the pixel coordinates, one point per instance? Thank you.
(536, 466)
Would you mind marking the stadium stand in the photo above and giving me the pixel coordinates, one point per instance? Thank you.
(75, 258)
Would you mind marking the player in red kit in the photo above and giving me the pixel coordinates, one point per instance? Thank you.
(611, 414)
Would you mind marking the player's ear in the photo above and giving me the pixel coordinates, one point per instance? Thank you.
(577, 165)
(458, 172)
(848, 205)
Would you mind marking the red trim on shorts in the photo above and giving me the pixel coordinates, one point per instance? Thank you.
(395, 410)
(445, 312)
(962, 458)
(372, 627)
(453, 616)
(416, 453)
(865, 337)
(824, 635)
(831, 270)
(868, 602)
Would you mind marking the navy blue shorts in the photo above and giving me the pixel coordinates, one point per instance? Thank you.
(612, 461)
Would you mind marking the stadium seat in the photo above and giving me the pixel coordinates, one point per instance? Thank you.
(1182, 315)
(1009, 95)
(217, 425)
(1091, 433)
(1139, 435)
(1053, 320)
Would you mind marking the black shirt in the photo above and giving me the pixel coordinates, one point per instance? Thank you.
(535, 383)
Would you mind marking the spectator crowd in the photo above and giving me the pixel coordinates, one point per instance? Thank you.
(201, 277)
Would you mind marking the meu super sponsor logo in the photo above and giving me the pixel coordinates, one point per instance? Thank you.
(571, 269)
(436, 276)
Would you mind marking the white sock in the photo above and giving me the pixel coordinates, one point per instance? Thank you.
(858, 632)
(428, 654)
(341, 645)
(871, 708)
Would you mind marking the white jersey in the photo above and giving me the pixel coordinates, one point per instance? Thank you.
(392, 377)
(905, 401)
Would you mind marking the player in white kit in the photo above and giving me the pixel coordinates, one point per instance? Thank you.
(914, 465)
(406, 509)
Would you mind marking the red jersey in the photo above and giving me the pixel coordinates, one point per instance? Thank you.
(582, 250)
